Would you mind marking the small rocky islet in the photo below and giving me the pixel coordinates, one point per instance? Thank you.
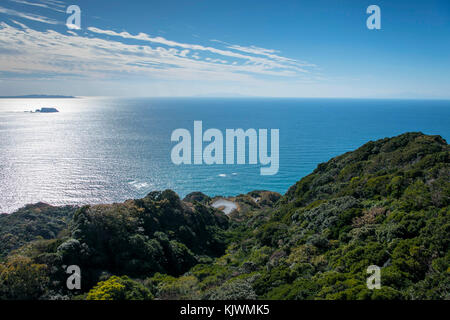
(47, 110)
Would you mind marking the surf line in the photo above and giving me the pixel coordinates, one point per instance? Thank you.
(235, 151)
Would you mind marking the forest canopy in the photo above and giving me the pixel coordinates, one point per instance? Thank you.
(384, 204)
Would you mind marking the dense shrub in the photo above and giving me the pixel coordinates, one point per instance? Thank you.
(119, 288)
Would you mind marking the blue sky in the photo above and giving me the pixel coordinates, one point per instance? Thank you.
(226, 48)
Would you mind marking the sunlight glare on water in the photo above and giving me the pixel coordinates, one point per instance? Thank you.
(103, 150)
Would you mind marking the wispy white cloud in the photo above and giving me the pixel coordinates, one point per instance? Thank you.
(94, 55)
(55, 3)
(58, 7)
(28, 16)
(271, 61)
(270, 53)
(34, 4)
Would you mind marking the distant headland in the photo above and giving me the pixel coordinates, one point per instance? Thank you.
(38, 96)
(47, 110)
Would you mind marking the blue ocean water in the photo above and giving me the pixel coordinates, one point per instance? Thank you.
(103, 150)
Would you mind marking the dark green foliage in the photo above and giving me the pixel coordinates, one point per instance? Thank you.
(374, 168)
(234, 290)
(32, 222)
(21, 279)
(197, 197)
(384, 204)
(158, 233)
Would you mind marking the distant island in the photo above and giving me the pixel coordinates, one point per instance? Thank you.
(38, 96)
(47, 110)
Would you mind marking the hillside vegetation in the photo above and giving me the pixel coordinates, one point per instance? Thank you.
(32, 222)
(384, 204)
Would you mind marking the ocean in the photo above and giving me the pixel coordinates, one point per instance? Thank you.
(104, 150)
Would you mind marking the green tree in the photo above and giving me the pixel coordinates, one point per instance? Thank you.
(21, 279)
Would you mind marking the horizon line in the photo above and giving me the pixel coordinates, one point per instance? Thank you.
(61, 96)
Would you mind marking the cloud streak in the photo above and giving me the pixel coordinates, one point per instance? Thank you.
(270, 62)
(28, 16)
(96, 53)
(57, 6)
